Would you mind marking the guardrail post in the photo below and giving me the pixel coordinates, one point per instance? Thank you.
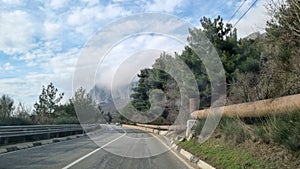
(5, 140)
(194, 103)
(189, 125)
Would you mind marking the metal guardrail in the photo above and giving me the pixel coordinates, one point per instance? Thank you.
(15, 131)
(178, 128)
(28, 132)
(159, 127)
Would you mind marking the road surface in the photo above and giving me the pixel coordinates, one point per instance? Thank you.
(111, 147)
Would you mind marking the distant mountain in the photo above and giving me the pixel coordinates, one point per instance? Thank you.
(255, 35)
(104, 96)
(100, 94)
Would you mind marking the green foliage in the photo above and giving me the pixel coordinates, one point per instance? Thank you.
(282, 129)
(123, 119)
(223, 38)
(48, 100)
(86, 109)
(245, 86)
(233, 130)
(66, 120)
(7, 121)
(107, 116)
(66, 109)
(140, 93)
(65, 114)
(249, 52)
(22, 111)
(222, 156)
(148, 100)
(199, 71)
(199, 125)
(238, 57)
(6, 106)
(281, 68)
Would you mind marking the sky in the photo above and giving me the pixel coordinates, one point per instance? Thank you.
(41, 40)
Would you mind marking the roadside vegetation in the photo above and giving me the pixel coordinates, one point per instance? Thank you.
(48, 109)
(221, 156)
(257, 67)
(267, 142)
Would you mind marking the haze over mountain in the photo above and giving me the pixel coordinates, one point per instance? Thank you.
(107, 98)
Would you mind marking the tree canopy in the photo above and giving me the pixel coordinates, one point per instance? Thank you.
(48, 100)
(6, 106)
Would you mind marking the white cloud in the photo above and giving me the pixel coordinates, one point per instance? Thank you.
(91, 2)
(76, 17)
(63, 63)
(51, 29)
(108, 36)
(62, 67)
(12, 2)
(56, 4)
(16, 32)
(46, 42)
(35, 57)
(131, 55)
(255, 20)
(163, 5)
(120, 0)
(124, 73)
(57, 69)
(7, 66)
(230, 3)
(43, 52)
(88, 19)
(25, 88)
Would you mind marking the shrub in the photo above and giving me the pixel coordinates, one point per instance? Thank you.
(285, 130)
(6, 121)
(66, 120)
(198, 127)
(233, 130)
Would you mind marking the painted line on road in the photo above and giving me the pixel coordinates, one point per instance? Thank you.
(89, 154)
(182, 160)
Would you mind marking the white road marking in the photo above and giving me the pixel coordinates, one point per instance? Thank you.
(182, 160)
(89, 154)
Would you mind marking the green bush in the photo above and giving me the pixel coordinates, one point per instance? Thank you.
(285, 130)
(66, 120)
(6, 121)
(223, 156)
(282, 129)
(198, 128)
(233, 130)
(262, 131)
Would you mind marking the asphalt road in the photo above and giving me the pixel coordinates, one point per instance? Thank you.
(111, 147)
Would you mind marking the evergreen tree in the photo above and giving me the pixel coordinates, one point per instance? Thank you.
(48, 100)
(86, 109)
(6, 106)
(282, 62)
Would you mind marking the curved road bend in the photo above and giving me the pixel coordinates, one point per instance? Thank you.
(112, 147)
